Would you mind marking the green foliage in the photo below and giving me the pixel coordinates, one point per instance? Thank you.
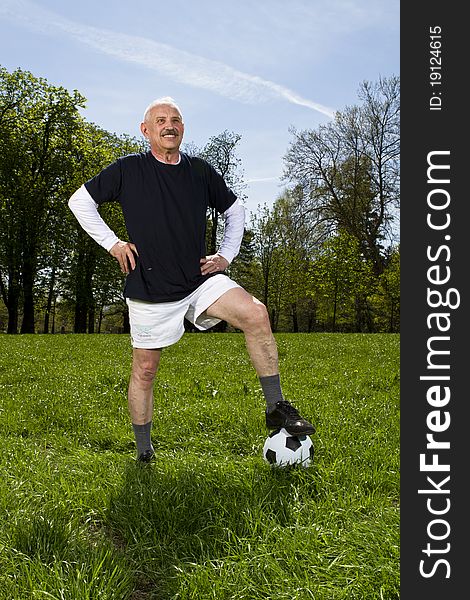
(208, 519)
(322, 248)
(388, 297)
(37, 128)
(330, 285)
(92, 279)
(220, 152)
(245, 270)
(349, 168)
(47, 151)
(317, 258)
(342, 279)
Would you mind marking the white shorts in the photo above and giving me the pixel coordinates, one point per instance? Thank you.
(160, 324)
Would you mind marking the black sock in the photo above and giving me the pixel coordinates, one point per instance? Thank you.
(272, 390)
(142, 437)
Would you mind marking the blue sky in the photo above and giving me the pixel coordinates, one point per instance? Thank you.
(255, 68)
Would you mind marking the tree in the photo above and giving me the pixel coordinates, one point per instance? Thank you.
(285, 244)
(296, 250)
(92, 275)
(349, 169)
(47, 150)
(38, 124)
(245, 269)
(341, 281)
(388, 294)
(268, 241)
(220, 152)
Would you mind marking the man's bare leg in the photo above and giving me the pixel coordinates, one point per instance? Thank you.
(140, 398)
(245, 312)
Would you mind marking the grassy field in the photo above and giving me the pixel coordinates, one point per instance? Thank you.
(209, 519)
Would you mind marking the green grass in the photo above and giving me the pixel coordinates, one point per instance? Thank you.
(209, 519)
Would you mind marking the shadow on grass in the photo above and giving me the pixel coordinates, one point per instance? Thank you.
(49, 557)
(170, 516)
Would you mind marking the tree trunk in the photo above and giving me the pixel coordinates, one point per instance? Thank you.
(46, 321)
(91, 319)
(12, 307)
(11, 298)
(266, 287)
(312, 316)
(126, 326)
(364, 322)
(81, 303)
(335, 304)
(53, 317)
(50, 299)
(274, 319)
(84, 301)
(295, 320)
(392, 316)
(79, 324)
(100, 319)
(27, 325)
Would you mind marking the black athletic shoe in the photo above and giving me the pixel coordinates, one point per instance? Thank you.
(146, 456)
(286, 416)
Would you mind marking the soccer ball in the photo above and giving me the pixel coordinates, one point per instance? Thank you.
(282, 449)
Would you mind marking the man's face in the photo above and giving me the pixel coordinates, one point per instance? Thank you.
(164, 129)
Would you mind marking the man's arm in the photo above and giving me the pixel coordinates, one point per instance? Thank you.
(86, 212)
(234, 227)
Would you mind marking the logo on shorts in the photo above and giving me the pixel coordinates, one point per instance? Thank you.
(142, 331)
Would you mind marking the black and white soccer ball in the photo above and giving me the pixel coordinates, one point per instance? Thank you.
(283, 449)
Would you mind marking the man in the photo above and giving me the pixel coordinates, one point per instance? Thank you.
(164, 195)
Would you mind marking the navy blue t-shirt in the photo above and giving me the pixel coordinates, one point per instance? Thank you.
(164, 209)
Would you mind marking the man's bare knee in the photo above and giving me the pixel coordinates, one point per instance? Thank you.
(146, 372)
(144, 367)
(255, 318)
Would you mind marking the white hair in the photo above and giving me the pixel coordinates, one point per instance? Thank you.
(164, 101)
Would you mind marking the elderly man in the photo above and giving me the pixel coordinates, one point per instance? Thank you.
(164, 195)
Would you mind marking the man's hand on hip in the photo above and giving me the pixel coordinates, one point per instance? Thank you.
(123, 252)
(213, 264)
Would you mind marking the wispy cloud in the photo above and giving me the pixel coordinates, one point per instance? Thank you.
(179, 65)
(262, 179)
